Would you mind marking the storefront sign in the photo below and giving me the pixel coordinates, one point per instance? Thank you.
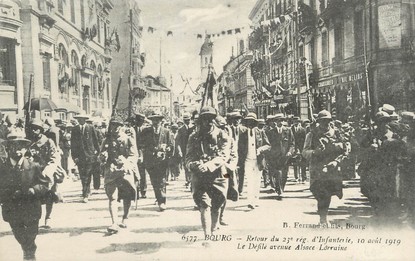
(351, 78)
(263, 102)
(325, 83)
(390, 33)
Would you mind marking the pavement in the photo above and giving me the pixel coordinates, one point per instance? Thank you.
(79, 230)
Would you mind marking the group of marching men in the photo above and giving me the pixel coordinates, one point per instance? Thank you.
(221, 158)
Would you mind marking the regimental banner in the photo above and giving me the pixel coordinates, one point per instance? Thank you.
(389, 20)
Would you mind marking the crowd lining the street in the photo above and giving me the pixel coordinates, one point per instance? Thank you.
(222, 158)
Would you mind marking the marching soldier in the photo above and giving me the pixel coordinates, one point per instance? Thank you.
(22, 188)
(43, 151)
(324, 149)
(207, 153)
(119, 155)
(231, 166)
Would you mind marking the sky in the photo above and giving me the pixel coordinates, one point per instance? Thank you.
(186, 19)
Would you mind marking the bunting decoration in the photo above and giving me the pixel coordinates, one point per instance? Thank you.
(278, 20)
(113, 41)
(238, 30)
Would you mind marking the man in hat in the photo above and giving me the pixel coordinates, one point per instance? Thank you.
(85, 150)
(65, 145)
(252, 145)
(306, 125)
(22, 186)
(300, 163)
(119, 155)
(261, 124)
(231, 166)
(43, 150)
(182, 138)
(175, 157)
(235, 120)
(180, 123)
(51, 131)
(325, 149)
(282, 148)
(207, 153)
(269, 124)
(139, 127)
(157, 147)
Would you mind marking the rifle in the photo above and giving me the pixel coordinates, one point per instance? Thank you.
(114, 105)
(29, 107)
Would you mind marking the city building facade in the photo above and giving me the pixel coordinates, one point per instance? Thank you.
(236, 85)
(64, 48)
(129, 60)
(158, 97)
(339, 55)
(275, 65)
(11, 75)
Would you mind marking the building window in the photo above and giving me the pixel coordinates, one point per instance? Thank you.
(75, 79)
(83, 61)
(99, 29)
(93, 80)
(7, 62)
(311, 51)
(301, 50)
(100, 82)
(359, 33)
(46, 72)
(324, 48)
(338, 41)
(60, 6)
(107, 84)
(72, 3)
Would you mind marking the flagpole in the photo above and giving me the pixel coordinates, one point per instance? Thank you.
(130, 98)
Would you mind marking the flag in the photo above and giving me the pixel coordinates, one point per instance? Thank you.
(169, 33)
(265, 90)
(229, 31)
(199, 36)
(117, 42)
(208, 93)
(237, 30)
(150, 29)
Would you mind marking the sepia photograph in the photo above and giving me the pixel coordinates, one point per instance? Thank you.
(207, 130)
